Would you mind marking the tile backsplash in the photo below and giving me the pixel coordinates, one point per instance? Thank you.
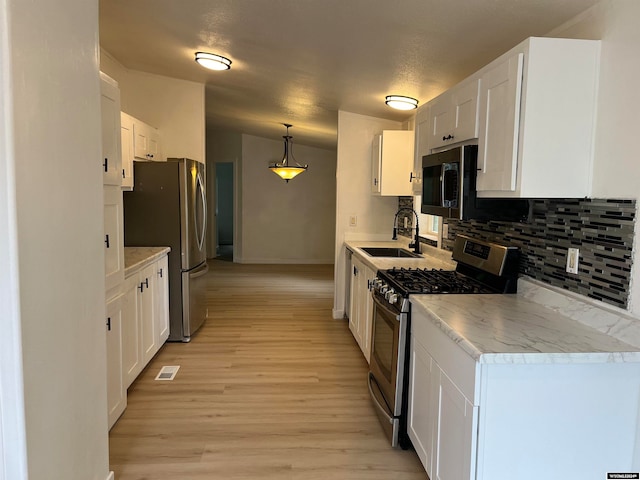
(602, 229)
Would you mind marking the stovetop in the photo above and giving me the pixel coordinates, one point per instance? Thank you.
(424, 281)
(482, 267)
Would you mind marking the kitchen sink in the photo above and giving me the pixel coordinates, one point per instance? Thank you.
(389, 252)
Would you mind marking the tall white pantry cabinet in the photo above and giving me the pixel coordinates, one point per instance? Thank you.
(113, 243)
(137, 301)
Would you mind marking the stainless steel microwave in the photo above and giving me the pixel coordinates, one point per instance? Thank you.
(449, 189)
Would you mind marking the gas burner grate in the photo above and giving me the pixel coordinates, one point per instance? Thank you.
(412, 281)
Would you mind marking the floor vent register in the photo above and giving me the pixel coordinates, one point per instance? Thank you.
(168, 372)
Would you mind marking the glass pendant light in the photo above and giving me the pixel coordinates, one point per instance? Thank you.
(287, 168)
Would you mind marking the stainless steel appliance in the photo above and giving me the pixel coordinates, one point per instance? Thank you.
(449, 189)
(168, 207)
(482, 267)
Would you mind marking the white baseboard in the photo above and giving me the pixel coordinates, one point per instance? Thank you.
(338, 314)
(285, 261)
(111, 476)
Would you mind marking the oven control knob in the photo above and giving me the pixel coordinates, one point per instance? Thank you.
(383, 289)
(393, 298)
(388, 294)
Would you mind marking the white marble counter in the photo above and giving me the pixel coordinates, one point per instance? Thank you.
(430, 257)
(514, 329)
(136, 258)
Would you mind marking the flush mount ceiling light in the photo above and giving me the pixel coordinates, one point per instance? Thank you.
(212, 61)
(400, 102)
(288, 167)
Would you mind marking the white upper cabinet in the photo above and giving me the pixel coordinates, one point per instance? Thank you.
(453, 116)
(126, 135)
(421, 147)
(110, 122)
(392, 163)
(536, 120)
(146, 142)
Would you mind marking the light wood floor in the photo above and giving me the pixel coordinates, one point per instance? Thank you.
(271, 387)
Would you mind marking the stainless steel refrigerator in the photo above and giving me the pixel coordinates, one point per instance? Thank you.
(168, 207)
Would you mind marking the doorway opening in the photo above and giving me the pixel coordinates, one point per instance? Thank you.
(224, 211)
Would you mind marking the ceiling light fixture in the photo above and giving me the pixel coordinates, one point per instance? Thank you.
(288, 167)
(212, 61)
(400, 102)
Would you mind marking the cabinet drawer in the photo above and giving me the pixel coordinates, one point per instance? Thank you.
(454, 362)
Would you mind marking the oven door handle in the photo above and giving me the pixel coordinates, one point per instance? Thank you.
(375, 399)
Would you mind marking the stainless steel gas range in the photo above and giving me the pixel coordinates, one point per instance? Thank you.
(482, 268)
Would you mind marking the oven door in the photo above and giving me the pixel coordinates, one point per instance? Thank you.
(387, 365)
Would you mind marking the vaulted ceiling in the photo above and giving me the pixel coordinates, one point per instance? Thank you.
(300, 61)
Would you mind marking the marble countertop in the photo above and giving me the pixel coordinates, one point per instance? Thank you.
(430, 257)
(536, 325)
(136, 258)
(514, 329)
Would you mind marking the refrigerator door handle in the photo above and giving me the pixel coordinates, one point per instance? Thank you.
(204, 212)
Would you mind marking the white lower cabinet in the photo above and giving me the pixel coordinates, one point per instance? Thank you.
(455, 433)
(509, 417)
(441, 418)
(423, 382)
(361, 306)
(147, 279)
(131, 351)
(161, 301)
(145, 317)
(116, 391)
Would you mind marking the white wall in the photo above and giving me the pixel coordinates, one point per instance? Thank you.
(287, 222)
(13, 449)
(616, 162)
(353, 193)
(175, 107)
(51, 157)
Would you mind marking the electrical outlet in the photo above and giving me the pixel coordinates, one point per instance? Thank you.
(406, 222)
(573, 260)
(353, 220)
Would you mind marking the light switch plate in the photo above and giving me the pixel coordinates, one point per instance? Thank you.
(353, 220)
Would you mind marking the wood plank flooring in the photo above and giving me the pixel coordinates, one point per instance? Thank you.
(271, 387)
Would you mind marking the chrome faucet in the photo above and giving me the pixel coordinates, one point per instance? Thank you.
(416, 244)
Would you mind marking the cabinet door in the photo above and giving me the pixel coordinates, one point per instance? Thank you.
(440, 121)
(110, 124)
(421, 147)
(376, 164)
(147, 328)
(126, 137)
(140, 139)
(116, 391)
(366, 311)
(153, 145)
(455, 433)
(500, 93)
(423, 409)
(113, 237)
(131, 353)
(355, 303)
(161, 301)
(464, 101)
(396, 163)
